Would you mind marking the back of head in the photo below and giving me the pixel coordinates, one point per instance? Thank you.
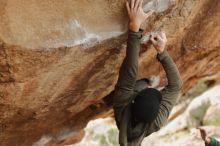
(146, 105)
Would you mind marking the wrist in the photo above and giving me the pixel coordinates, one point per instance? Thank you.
(160, 51)
(134, 27)
(162, 56)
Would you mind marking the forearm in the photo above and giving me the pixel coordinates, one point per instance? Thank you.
(171, 91)
(172, 73)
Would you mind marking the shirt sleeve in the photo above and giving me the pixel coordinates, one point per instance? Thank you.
(128, 72)
(124, 89)
(171, 91)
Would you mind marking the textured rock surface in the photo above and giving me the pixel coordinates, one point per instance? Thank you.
(56, 57)
(210, 118)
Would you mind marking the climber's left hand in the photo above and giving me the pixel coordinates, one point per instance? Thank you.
(136, 14)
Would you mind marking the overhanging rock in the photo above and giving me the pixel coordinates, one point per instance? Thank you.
(57, 57)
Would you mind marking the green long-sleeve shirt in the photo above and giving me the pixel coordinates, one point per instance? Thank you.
(214, 142)
(125, 93)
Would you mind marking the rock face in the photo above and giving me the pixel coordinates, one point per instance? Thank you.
(56, 57)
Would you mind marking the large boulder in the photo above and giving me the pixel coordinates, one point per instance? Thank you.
(56, 57)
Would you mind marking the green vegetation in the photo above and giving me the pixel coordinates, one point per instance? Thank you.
(113, 136)
(108, 139)
(197, 90)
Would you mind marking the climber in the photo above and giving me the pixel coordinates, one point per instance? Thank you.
(209, 141)
(138, 114)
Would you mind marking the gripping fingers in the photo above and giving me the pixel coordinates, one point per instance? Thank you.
(140, 4)
(132, 4)
(156, 39)
(153, 39)
(128, 7)
(163, 35)
(136, 5)
(160, 39)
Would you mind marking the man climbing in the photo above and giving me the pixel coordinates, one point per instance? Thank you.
(140, 113)
(209, 141)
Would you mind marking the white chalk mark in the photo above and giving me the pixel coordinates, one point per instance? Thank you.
(158, 5)
(81, 35)
(42, 141)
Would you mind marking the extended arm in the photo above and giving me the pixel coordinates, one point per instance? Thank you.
(128, 71)
(171, 91)
(124, 89)
(172, 73)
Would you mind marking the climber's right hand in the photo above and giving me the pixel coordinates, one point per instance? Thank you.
(159, 41)
(136, 14)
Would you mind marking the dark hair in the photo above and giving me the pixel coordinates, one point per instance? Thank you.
(146, 105)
